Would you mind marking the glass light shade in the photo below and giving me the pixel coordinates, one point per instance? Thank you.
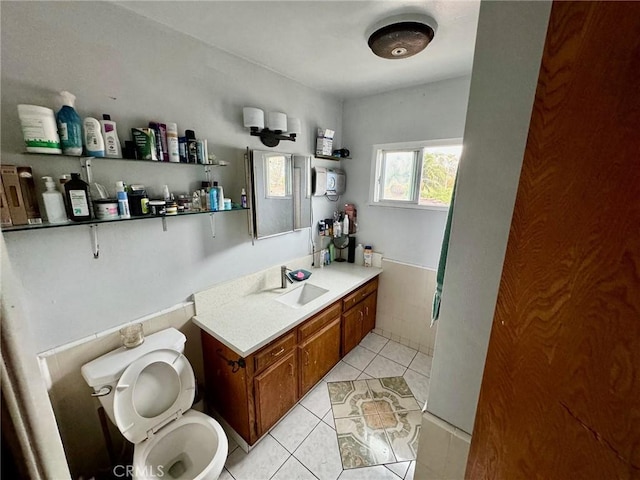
(293, 125)
(277, 121)
(253, 117)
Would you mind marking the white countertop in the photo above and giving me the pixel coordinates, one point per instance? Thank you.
(245, 316)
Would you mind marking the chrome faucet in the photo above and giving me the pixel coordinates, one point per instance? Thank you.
(284, 278)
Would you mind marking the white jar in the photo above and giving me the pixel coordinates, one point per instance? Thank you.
(368, 256)
(39, 129)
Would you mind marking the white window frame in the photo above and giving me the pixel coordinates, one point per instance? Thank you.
(375, 183)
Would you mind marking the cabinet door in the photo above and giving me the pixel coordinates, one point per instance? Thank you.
(352, 328)
(318, 354)
(276, 391)
(369, 322)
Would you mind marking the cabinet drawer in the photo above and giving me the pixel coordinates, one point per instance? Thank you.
(319, 320)
(360, 294)
(275, 351)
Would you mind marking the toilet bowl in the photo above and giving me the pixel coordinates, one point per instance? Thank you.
(147, 392)
(189, 449)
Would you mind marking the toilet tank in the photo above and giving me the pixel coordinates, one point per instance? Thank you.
(107, 369)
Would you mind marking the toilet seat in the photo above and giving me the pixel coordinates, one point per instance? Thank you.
(152, 391)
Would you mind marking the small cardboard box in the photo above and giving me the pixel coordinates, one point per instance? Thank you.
(13, 192)
(324, 142)
(5, 214)
(28, 187)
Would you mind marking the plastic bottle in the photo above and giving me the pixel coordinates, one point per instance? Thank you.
(220, 192)
(192, 149)
(359, 255)
(112, 148)
(213, 198)
(53, 202)
(69, 126)
(243, 198)
(93, 141)
(345, 225)
(368, 255)
(172, 143)
(123, 200)
(77, 195)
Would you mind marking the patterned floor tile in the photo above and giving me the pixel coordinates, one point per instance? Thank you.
(362, 442)
(350, 399)
(405, 434)
(392, 394)
(368, 473)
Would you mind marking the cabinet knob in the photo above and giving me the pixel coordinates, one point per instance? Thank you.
(278, 353)
(291, 367)
(306, 358)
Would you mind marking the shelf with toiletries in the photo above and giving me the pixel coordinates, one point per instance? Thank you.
(155, 162)
(95, 221)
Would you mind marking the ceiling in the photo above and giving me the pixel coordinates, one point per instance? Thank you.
(323, 44)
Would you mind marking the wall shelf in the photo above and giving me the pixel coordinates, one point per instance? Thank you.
(331, 157)
(110, 159)
(46, 225)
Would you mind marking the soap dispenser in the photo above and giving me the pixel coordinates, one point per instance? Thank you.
(53, 202)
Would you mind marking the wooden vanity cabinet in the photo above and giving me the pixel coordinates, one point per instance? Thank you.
(276, 391)
(253, 393)
(319, 346)
(359, 315)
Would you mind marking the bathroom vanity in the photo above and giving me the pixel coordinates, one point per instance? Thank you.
(252, 387)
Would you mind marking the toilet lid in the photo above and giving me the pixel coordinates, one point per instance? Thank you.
(152, 391)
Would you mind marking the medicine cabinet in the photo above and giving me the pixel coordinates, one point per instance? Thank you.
(280, 192)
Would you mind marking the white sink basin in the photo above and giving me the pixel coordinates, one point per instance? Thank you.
(300, 296)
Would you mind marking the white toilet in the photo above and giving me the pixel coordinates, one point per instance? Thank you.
(147, 391)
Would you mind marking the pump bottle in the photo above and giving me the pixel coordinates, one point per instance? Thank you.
(69, 126)
(53, 202)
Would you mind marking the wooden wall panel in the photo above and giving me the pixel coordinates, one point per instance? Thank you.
(560, 396)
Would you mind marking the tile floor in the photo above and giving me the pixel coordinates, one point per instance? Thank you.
(304, 444)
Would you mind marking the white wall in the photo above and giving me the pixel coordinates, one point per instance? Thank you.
(505, 72)
(427, 112)
(136, 70)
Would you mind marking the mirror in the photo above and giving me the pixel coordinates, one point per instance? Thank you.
(280, 185)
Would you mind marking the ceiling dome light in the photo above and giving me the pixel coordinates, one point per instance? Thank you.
(402, 39)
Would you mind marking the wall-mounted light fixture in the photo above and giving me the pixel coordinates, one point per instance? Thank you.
(279, 127)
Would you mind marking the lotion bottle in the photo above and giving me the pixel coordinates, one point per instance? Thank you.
(112, 148)
(93, 141)
(123, 200)
(53, 202)
(220, 192)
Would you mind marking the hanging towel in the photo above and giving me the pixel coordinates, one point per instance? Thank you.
(435, 311)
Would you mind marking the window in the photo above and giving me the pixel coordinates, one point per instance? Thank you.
(415, 175)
